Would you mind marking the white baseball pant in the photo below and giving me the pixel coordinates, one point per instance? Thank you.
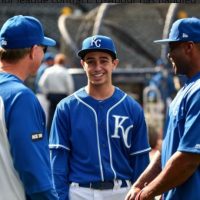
(82, 193)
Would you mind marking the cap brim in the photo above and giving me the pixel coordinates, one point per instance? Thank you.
(48, 42)
(164, 41)
(82, 53)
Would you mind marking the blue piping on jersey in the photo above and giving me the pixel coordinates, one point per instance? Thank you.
(58, 146)
(97, 132)
(107, 124)
(142, 151)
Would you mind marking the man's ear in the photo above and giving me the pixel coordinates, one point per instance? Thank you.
(82, 64)
(115, 63)
(189, 47)
(33, 52)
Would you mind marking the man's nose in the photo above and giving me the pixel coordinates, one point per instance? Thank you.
(97, 65)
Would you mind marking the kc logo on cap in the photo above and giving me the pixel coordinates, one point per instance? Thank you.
(96, 42)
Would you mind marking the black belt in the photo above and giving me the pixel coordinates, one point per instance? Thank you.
(102, 185)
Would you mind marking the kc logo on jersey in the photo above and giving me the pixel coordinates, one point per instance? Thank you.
(119, 120)
(96, 42)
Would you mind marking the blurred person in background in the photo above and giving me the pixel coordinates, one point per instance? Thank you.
(56, 83)
(47, 62)
(155, 140)
(163, 80)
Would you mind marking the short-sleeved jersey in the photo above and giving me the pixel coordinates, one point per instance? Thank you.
(24, 153)
(183, 134)
(103, 138)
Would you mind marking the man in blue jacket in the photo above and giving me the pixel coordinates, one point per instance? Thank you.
(25, 169)
(175, 171)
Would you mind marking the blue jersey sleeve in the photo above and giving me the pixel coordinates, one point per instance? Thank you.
(139, 158)
(60, 129)
(140, 142)
(139, 150)
(46, 195)
(60, 172)
(60, 150)
(139, 164)
(189, 125)
(29, 143)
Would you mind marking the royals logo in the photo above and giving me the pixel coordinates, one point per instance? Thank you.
(95, 42)
(119, 121)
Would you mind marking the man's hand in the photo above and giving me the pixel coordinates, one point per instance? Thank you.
(143, 195)
(132, 193)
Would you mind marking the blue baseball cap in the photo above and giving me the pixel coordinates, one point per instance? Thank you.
(23, 32)
(183, 30)
(98, 43)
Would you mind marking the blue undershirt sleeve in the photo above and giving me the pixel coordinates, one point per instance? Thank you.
(60, 169)
(139, 163)
(46, 195)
